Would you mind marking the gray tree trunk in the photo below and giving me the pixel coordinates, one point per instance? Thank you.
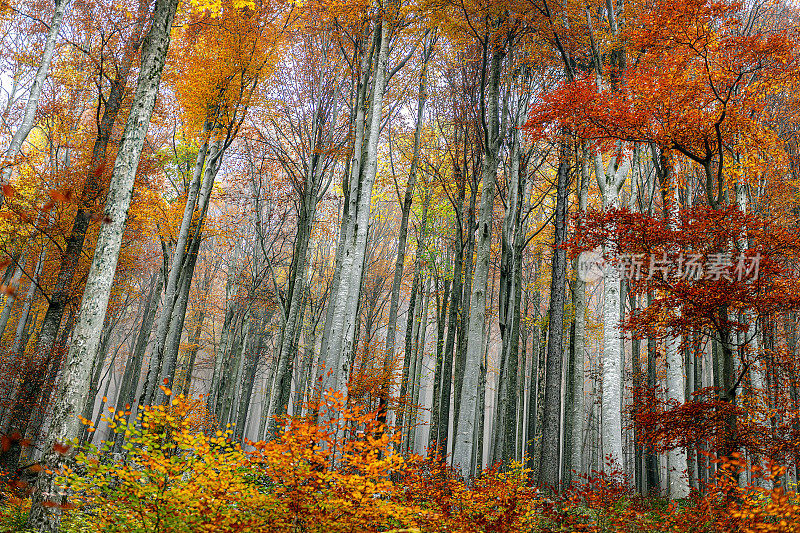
(402, 237)
(579, 305)
(463, 446)
(71, 394)
(171, 311)
(549, 459)
(338, 343)
(133, 369)
(610, 180)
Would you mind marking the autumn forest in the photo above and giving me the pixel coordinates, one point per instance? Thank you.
(399, 266)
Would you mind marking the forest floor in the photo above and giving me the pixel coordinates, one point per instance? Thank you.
(325, 478)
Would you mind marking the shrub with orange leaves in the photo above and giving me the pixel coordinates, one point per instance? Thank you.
(327, 473)
(495, 501)
(332, 471)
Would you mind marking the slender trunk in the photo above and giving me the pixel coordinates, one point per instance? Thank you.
(445, 394)
(182, 269)
(579, 336)
(463, 446)
(230, 374)
(549, 458)
(651, 457)
(338, 344)
(402, 235)
(512, 246)
(441, 316)
(533, 391)
(288, 347)
(133, 369)
(409, 345)
(32, 104)
(251, 358)
(231, 290)
(71, 394)
(94, 384)
(94, 192)
(415, 371)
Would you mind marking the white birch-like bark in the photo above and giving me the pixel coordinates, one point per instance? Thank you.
(579, 303)
(32, 104)
(610, 180)
(463, 445)
(678, 480)
(340, 335)
(677, 467)
(71, 396)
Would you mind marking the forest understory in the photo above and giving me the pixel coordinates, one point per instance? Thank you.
(399, 266)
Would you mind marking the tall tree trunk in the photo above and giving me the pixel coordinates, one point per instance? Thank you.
(93, 194)
(225, 404)
(533, 383)
(86, 337)
(610, 180)
(231, 291)
(652, 470)
(288, 349)
(463, 446)
(251, 358)
(402, 234)
(463, 303)
(445, 394)
(512, 246)
(549, 460)
(338, 342)
(182, 270)
(441, 317)
(677, 481)
(578, 353)
(412, 321)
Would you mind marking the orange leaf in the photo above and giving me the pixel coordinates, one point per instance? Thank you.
(61, 196)
(8, 191)
(8, 289)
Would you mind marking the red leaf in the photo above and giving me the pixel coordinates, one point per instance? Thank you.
(60, 448)
(8, 191)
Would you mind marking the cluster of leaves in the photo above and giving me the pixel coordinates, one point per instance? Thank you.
(171, 479)
(603, 503)
(332, 471)
(495, 502)
(336, 471)
(324, 473)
